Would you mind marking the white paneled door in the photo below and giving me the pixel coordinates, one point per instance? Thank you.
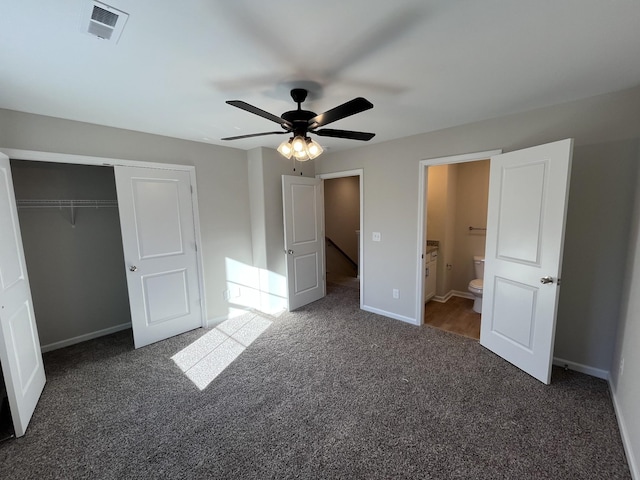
(20, 354)
(158, 236)
(303, 202)
(528, 192)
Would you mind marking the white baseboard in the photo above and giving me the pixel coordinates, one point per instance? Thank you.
(395, 316)
(83, 338)
(624, 433)
(452, 293)
(578, 367)
(458, 293)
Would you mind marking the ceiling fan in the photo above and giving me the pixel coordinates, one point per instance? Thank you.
(299, 123)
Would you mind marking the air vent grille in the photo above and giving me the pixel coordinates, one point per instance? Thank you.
(103, 16)
(104, 21)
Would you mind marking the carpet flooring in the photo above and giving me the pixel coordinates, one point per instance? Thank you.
(326, 392)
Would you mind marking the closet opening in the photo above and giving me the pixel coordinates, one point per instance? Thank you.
(72, 240)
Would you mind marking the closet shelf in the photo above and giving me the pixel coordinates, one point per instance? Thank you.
(72, 204)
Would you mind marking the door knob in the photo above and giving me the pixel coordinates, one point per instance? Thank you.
(547, 279)
(133, 268)
(290, 252)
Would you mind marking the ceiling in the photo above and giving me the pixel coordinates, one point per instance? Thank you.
(424, 64)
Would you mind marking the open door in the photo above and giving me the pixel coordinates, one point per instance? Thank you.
(20, 353)
(303, 203)
(158, 237)
(528, 191)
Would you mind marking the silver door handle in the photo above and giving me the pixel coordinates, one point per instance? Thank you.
(290, 252)
(547, 279)
(133, 268)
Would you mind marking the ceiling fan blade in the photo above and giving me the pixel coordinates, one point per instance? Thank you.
(347, 109)
(330, 132)
(253, 135)
(261, 113)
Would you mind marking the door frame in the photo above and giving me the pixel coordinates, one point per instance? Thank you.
(422, 209)
(359, 172)
(37, 156)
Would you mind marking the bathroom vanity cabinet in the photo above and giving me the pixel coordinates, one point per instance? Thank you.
(431, 262)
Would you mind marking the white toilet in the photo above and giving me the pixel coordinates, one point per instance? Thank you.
(476, 285)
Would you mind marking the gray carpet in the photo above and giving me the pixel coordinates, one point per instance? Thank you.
(326, 392)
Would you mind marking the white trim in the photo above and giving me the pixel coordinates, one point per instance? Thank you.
(458, 293)
(395, 316)
(354, 173)
(35, 155)
(38, 156)
(422, 205)
(624, 433)
(83, 338)
(578, 367)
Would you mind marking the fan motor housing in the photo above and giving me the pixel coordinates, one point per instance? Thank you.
(299, 119)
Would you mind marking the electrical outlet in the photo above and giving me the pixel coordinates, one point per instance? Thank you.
(376, 237)
(621, 367)
(396, 293)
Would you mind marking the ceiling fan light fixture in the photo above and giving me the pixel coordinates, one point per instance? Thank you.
(313, 148)
(286, 148)
(299, 145)
(302, 156)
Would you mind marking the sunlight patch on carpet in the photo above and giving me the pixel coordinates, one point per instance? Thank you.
(203, 360)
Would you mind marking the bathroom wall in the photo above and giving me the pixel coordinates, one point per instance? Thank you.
(441, 207)
(76, 271)
(472, 196)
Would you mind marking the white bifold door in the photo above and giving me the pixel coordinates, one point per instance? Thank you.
(20, 354)
(528, 192)
(303, 205)
(158, 236)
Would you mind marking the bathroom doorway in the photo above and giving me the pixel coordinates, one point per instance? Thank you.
(454, 194)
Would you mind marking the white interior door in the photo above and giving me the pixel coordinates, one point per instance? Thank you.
(20, 353)
(303, 201)
(528, 191)
(158, 236)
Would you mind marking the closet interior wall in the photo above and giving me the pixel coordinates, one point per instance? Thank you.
(75, 261)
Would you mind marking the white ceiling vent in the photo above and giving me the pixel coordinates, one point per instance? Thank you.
(105, 22)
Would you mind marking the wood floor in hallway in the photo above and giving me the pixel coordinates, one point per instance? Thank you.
(456, 315)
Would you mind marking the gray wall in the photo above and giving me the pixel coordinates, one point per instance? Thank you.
(77, 280)
(221, 175)
(391, 203)
(625, 380)
(603, 183)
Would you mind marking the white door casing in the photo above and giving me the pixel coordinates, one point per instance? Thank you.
(303, 209)
(20, 352)
(528, 192)
(159, 242)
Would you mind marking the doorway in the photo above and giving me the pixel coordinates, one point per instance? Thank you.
(343, 202)
(453, 197)
(456, 210)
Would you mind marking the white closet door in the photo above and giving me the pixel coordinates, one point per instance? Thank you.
(20, 353)
(158, 236)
